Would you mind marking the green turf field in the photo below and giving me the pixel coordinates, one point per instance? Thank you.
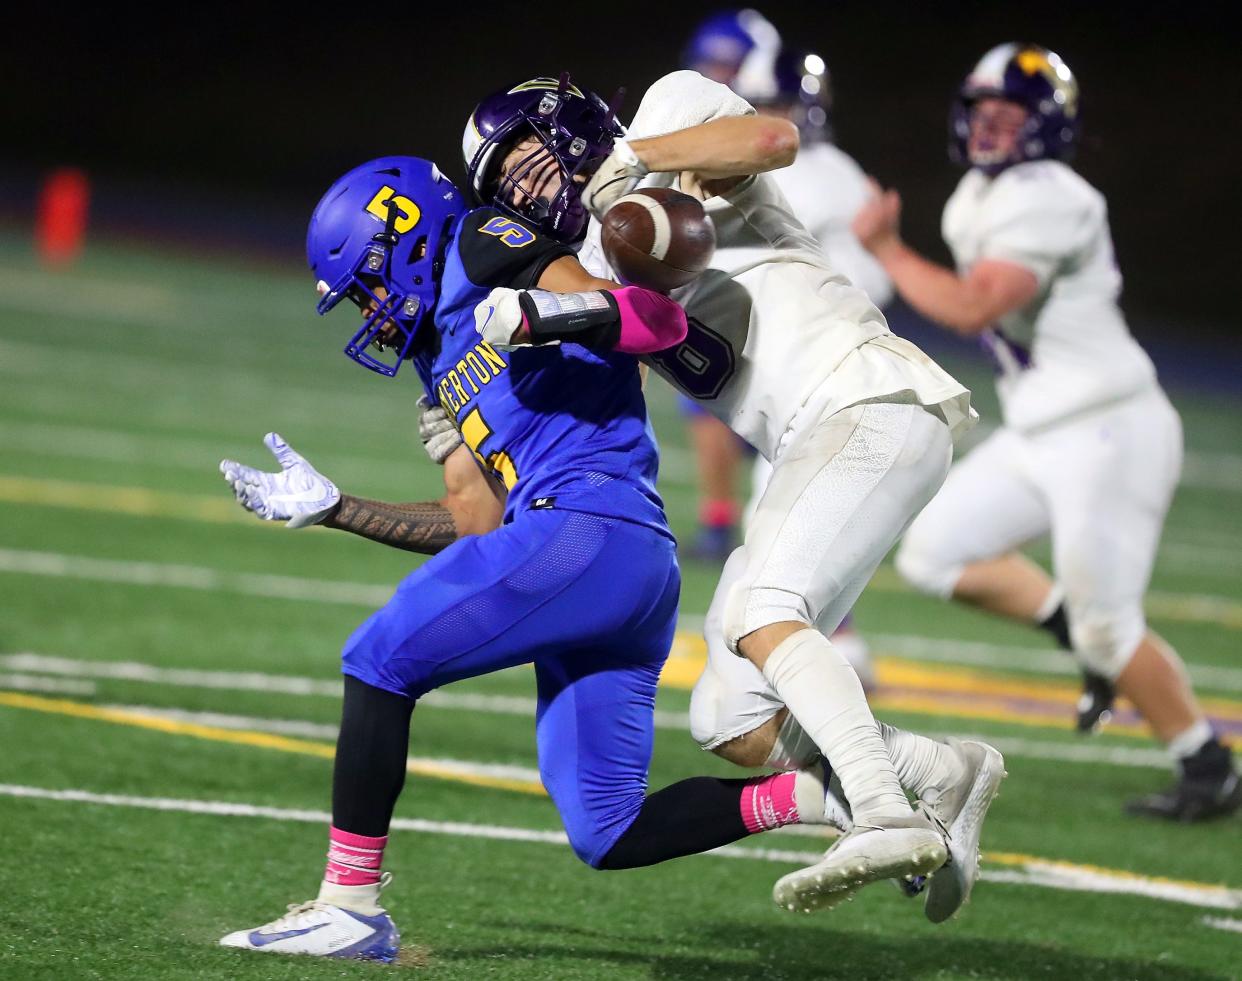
(169, 688)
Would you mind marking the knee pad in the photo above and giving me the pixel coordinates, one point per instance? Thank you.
(1105, 639)
(918, 564)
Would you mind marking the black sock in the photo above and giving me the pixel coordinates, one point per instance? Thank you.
(370, 758)
(1057, 624)
(1212, 759)
(685, 818)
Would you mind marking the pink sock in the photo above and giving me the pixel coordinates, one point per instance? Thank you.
(718, 513)
(354, 860)
(768, 802)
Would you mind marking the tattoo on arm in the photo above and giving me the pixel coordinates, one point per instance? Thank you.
(426, 527)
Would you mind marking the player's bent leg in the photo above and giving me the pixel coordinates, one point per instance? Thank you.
(1119, 469)
(856, 478)
(986, 508)
(488, 602)
(595, 733)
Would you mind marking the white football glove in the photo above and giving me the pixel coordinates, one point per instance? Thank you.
(437, 431)
(299, 494)
(497, 317)
(617, 176)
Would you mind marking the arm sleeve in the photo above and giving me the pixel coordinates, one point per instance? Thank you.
(497, 250)
(683, 99)
(1036, 224)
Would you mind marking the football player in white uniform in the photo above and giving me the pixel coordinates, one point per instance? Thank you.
(1090, 449)
(859, 426)
(825, 188)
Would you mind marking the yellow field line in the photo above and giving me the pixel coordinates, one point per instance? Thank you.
(950, 692)
(305, 747)
(286, 744)
(137, 501)
(245, 737)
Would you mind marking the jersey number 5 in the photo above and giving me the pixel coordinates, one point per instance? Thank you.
(474, 431)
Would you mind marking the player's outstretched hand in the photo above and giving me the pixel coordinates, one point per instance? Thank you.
(498, 318)
(440, 437)
(879, 219)
(299, 494)
(617, 176)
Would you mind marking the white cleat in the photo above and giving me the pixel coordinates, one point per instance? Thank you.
(962, 807)
(909, 847)
(323, 930)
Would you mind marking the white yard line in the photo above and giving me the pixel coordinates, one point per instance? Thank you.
(1187, 606)
(1210, 471)
(193, 577)
(1085, 753)
(279, 684)
(1023, 871)
(198, 453)
(1222, 923)
(56, 686)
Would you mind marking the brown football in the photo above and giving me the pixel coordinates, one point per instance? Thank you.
(658, 238)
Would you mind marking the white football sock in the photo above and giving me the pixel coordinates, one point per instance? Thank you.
(817, 804)
(823, 693)
(1190, 741)
(924, 766)
(1055, 597)
(360, 899)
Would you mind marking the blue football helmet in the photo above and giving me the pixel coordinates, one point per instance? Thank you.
(742, 49)
(384, 225)
(1036, 79)
(573, 127)
(738, 48)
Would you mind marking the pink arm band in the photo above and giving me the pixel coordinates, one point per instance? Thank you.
(650, 321)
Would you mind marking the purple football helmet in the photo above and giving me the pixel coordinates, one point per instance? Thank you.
(742, 49)
(1034, 78)
(575, 130)
(385, 224)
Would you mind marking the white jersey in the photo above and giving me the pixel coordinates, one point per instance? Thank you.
(775, 330)
(1069, 350)
(825, 188)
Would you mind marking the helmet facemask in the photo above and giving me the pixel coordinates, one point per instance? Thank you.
(570, 132)
(393, 315)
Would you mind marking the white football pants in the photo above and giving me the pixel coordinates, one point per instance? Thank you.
(842, 491)
(1101, 484)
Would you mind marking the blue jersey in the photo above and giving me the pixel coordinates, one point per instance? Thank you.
(558, 426)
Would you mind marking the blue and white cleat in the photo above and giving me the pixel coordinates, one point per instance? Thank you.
(962, 807)
(323, 930)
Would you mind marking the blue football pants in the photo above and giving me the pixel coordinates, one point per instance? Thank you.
(591, 602)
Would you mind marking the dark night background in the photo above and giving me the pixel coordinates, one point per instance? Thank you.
(220, 129)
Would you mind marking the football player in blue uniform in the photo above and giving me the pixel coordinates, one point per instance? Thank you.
(551, 545)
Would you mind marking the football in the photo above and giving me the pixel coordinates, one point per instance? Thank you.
(658, 238)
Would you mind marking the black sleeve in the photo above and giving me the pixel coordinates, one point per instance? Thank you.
(497, 250)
